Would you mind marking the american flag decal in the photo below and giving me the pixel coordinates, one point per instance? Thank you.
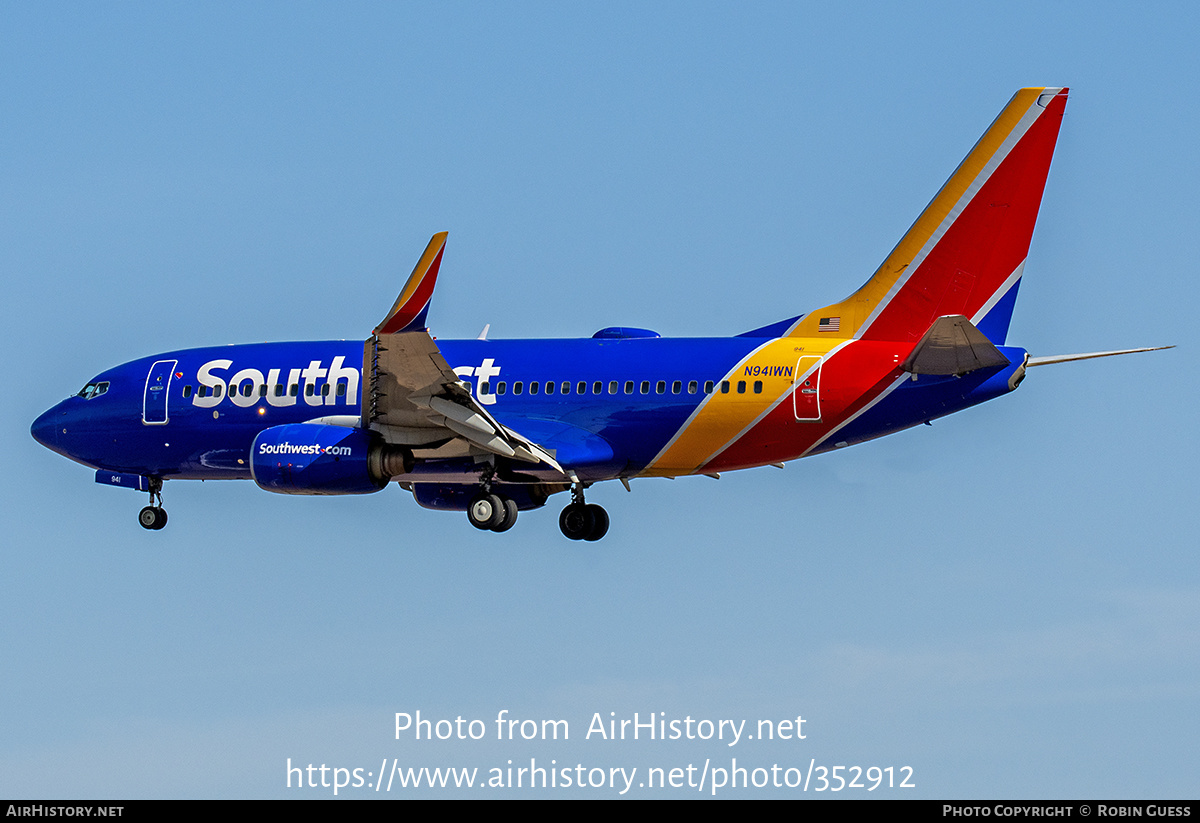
(829, 324)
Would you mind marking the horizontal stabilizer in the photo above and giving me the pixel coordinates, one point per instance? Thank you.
(953, 346)
(1064, 358)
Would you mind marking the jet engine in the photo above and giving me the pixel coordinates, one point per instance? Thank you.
(312, 458)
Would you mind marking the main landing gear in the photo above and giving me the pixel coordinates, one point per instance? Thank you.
(491, 512)
(154, 517)
(583, 521)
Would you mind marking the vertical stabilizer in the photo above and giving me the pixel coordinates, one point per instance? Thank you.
(965, 254)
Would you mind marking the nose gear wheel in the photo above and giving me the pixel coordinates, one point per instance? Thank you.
(154, 516)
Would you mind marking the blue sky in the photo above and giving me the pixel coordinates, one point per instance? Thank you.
(1007, 602)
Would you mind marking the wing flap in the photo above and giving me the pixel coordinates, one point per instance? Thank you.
(412, 397)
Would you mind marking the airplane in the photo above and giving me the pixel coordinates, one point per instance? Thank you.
(496, 427)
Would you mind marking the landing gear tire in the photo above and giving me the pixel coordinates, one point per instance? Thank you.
(510, 515)
(486, 512)
(583, 522)
(152, 517)
(575, 521)
(599, 522)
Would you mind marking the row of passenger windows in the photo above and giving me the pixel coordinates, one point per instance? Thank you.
(247, 388)
(615, 387)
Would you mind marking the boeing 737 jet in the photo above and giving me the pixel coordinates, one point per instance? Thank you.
(495, 427)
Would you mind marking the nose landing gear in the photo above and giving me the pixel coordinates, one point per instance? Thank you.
(154, 517)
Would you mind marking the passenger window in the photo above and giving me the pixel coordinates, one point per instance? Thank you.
(676, 387)
(566, 387)
(708, 387)
(660, 387)
(645, 387)
(308, 390)
(724, 387)
(341, 392)
(501, 387)
(549, 387)
(203, 391)
(613, 386)
(217, 389)
(629, 387)
(758, 387)
(533, 387)
(262, 390)
(518, 387)
(279, 390)
(741, 387)
(187, 391)
(692, 387)
(598, 387)
(325, 390)
(581, 388)
(486, 388)
(295, 390)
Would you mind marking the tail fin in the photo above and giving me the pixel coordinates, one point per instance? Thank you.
(966, 252)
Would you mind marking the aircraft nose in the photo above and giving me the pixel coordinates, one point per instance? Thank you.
(45, 428)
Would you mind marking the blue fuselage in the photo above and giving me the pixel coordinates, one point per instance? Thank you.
(607, 407)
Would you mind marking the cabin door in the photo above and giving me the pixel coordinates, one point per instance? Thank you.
(806, 397)
(154, 401)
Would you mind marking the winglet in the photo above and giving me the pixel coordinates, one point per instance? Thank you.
(409, 311)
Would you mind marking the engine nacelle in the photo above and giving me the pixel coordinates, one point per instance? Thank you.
(311, 458)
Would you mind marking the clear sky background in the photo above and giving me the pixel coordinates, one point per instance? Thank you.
(1008, 602)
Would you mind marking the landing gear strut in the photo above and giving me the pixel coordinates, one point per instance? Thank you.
(582, 521)
(154, 516)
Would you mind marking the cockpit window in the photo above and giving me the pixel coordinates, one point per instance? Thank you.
(93, 390)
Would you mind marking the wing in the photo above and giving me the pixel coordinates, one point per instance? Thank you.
(413, 398)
